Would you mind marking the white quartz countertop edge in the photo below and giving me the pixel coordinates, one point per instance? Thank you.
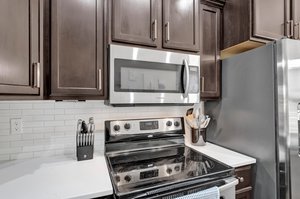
(224, 155)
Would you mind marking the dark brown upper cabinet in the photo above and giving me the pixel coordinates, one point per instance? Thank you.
(181, 24)
(136, 21)
(269, 19)
(210, 35)
(171, 24)
(252, 23)
(77, 44)
(20, 45)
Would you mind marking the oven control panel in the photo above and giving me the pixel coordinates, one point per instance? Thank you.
(140, 175)
(162, 125)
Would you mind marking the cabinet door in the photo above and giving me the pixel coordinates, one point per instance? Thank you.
(77, 48)
(20, 71)
(236, 22)
(136, 21)
(181, 24)
(269, 18)
(244, 195)
(210, 52)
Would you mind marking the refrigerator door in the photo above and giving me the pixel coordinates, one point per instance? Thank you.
(288, 99)
(244, 120)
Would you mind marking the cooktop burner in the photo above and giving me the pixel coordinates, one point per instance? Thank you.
(139, 170)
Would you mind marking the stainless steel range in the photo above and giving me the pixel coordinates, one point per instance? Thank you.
(148, 159)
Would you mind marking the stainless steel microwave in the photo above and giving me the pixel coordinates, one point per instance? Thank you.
(146, 76)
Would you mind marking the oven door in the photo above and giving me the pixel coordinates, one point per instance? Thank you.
(144, 76)
(226, 188)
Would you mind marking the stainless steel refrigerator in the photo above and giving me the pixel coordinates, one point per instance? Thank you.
(257, 115)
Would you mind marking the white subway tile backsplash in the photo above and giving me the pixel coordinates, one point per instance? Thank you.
(4, 157)
(4, 145)
(33, 148)
(12, 137)
(43, 105)
(10, 150)
(45, 129)
(32, 124)
(4, 106)
(21, 155)
(10, 112)
(32, 136)
(43, 117)
(49, 127)
(54, 123)
(21, 143)
(20, 106)
(33, 112)
(54, 111)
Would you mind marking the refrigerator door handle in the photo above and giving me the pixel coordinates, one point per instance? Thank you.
(298, 113)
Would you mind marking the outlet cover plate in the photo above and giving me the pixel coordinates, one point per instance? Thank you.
(16, 126)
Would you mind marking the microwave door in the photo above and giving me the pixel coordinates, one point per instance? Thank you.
(186, 79)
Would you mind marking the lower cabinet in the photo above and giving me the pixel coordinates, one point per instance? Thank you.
(244, 188)
(77, 49)
(244, 195)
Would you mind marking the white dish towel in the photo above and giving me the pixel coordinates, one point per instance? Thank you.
(211, 193)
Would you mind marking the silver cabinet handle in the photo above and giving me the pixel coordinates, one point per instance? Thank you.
(167, 31)
(241, 179)
(100, 79)
(187, 83)
(298, 30)
(202, 84)
(36, 75)
(290, 24)
(154, 32)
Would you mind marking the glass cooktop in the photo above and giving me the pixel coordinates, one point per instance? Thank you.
(150, 168)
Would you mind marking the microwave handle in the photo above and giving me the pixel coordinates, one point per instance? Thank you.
(187, 83)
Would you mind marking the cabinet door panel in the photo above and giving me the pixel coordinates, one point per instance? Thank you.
(269, 18)
(181, 24)
(244, 195)
(210, 52)
(135, 21)
(77, 47)
(19, 49)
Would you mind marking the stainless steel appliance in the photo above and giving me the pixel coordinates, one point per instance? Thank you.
(258, 115)
(147, 158)
(145, 76)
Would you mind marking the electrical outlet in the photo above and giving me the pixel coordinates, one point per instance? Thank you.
(16, 126)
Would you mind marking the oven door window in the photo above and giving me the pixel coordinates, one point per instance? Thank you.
(149, 77)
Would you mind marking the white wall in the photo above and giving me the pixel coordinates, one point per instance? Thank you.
(49, 126)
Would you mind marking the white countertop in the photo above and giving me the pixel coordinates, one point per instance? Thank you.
(55, 178)
(65, 177)
(224, 155)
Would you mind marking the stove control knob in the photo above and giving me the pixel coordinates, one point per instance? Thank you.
(127, 178)
(176, 124)
(169, 170)
(118, 178)
(177, 168)
(116, 127)
(127, 126)
(169, 123)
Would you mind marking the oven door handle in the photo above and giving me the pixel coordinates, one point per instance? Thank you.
(229, 183)
(187, 81)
